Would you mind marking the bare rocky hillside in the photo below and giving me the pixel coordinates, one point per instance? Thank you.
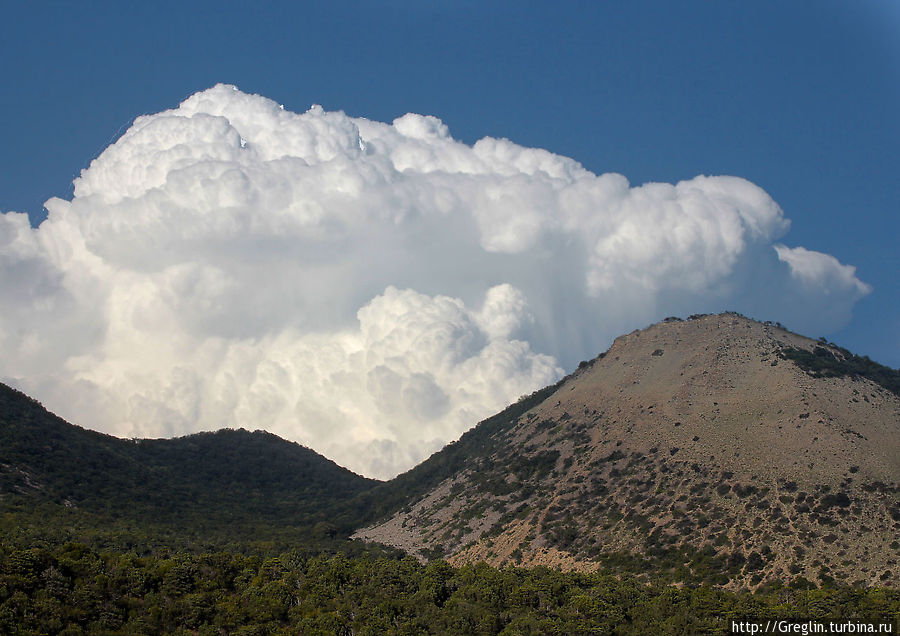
(691, 450)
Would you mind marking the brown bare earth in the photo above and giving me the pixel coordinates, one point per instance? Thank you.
(690, 448)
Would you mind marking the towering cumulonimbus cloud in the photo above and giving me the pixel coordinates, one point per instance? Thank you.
(370, 290)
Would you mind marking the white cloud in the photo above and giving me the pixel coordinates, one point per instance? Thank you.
(368, 289)
(821, 284)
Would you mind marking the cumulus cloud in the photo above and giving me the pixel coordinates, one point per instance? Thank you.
(368, 289)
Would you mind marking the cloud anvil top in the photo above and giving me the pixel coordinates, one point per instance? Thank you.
(370, 290)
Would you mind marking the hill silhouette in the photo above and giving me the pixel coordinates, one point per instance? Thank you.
(227, 484)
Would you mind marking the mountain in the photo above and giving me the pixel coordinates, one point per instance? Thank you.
(231, 482)
(717, 449)
(713, 449)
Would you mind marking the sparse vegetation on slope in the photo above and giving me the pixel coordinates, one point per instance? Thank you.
(831, 361)
(450, 461)
(685, 454)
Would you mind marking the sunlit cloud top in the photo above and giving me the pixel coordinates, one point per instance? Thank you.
(370, 290)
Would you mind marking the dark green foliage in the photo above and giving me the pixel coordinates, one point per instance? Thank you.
(836, 362)
(230, 485)
(48, 458)
(831, 500)
(614, 456)
(534, 467)
(76, 590)
(744, 491)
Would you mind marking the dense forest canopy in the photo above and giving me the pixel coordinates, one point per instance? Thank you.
(74, 589)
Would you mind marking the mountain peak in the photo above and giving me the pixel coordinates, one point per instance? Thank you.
(698, 447)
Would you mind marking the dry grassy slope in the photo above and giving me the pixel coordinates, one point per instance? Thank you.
(690, 449)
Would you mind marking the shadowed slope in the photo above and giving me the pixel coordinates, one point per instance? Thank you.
(217, 481)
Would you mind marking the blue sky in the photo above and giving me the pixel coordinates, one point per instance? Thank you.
(800, 98)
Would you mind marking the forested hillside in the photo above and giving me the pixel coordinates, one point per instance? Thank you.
(75, 590)
(204, 489)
